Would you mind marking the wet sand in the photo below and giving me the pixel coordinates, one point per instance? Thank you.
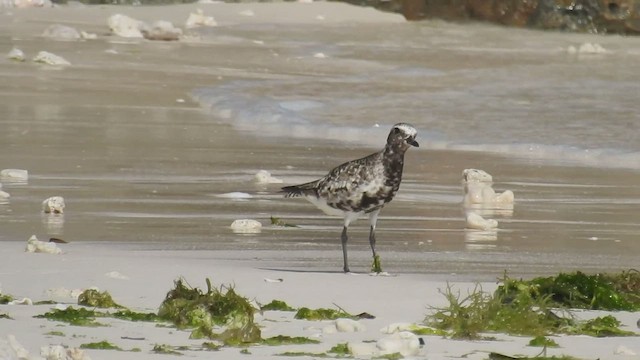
(142, 167)
(139, 162)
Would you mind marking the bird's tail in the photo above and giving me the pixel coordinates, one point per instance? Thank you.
(300, 190)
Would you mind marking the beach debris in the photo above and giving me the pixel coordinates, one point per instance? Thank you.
(519, 307)
(413, 328)
(165, 349)
(73, 316)
(88, 36)
(12, 175)
(100, 345)
(23, 301)
(116, 275)
(276, 221)
(191, 308)
(399, 345)
(53, 205)
(276, 305)
(4, 196)
(587, 48)
(264, 177)
(58, 241)
(36, 246)
(344, 326)
(543, 341)
(61, 32)
(198, 19)
(478, 190)
(477, 222)
(246, 226)
(376, 265)
(235, 195)
(125, 26)
(269, 280)
(161, 30)
(96, 299)
(59, 352)
(288, 340)
(45, 57)
(305, 313)
(16, 54)
(319, 55)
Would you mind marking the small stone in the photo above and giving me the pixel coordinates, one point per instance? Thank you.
(53, 205)
(264, 177)
(14, 174)
(124, 26)
(349, 326)
(36, 246)
(246, 226)
(48, 58)
(61, 32)
(198, 19)
(162, 30)
(477, 222)
(16, 55)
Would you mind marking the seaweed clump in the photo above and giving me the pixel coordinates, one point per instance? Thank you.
(5, 299)
(277, 305)
(191, 308)
(321, 314)
(581, 291)
(101, 345)
(97, 299)
(73, 316)
(526, 308)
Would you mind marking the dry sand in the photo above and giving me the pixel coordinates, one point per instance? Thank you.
(150, 273)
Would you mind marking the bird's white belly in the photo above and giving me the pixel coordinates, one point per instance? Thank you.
(322, 205)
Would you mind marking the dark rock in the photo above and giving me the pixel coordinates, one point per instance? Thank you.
(593, 16)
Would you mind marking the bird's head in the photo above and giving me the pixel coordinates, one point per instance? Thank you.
(402, 136)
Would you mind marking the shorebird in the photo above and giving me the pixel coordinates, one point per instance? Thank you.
(361, 186)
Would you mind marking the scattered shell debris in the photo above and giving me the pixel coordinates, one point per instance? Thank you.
(53, 205)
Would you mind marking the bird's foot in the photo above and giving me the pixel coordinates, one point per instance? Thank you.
(376, 266)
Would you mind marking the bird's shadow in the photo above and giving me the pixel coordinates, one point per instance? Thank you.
(314, 271)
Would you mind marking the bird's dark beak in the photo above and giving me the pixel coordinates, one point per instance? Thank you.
(413, 142)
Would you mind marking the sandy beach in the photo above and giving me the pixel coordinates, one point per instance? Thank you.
(146, 172)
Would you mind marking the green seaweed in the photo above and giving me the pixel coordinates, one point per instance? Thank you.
(191, 308)
(376, 265)
(422, 330)
(288, 340)
(101, 345)
(515, 308)
(134, 316)
(392, 356)
(542, 341)
(5, 316)
(245, 351)
(303, 353)
(277, 305)
(581, 291)
(165, 349)
(55, 333)
(5, 299)
(94, 298)
(305, 313)
(340, 350)
(211, 346)
(279, 222)
(73, 316)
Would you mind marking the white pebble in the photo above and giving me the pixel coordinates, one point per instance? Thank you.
(45, 57)
(36, 246)
(246, 226)
(61, 32)
(349, 326)
(319, 55)
(16, 55)
(199, 19)
(4, 195)
(124, 26)
(53, 205)
(14, 174)
(235, 195)
(406, 343)
(264, 177)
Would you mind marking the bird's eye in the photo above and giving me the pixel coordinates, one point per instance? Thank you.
(396, 130)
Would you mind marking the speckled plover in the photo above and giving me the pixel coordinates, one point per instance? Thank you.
(361, 186)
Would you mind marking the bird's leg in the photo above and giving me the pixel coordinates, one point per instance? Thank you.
(373, 220)
(344, 248)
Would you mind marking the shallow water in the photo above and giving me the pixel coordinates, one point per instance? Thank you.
(143, 148)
